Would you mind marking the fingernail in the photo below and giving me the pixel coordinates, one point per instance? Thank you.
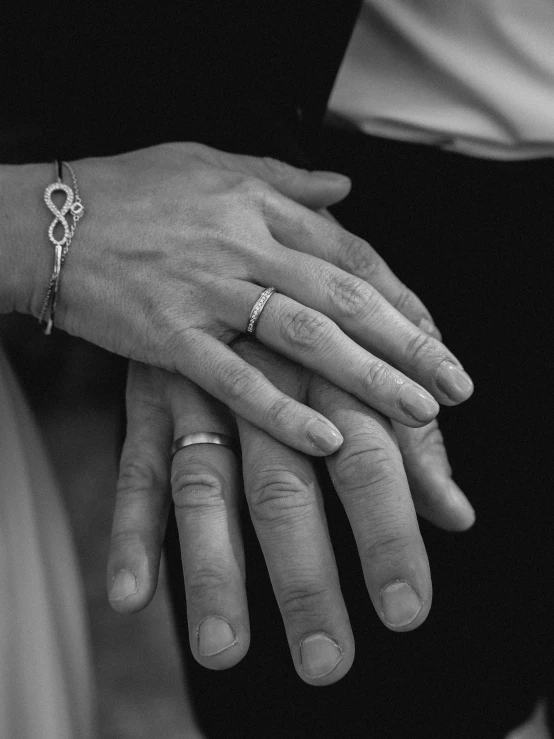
(214, 635)
(333, 178)
(324, 436)
(319, 655)
(400, 603)
(418, 403)
(124, 585)
(429, 327)
(454, 382)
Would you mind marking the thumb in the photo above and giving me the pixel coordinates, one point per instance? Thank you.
(313, 189)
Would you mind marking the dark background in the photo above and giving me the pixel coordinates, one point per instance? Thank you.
(472, 238)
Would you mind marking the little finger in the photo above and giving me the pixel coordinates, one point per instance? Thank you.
(436, 496)
(142, 498)
(369, 477)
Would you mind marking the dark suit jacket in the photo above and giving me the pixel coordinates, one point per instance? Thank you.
(98, 78)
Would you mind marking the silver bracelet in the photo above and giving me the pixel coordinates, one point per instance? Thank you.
(73, 207)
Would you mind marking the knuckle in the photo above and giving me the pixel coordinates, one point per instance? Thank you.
(197, 488)
(281, 412)
(303, 600)
(176, 342)
(419, 347)
(262, 359)
(427, 450)
(376, 375)
(386, 545)
(277, 167)
(280, 495)
(135, 475)
(357, 256)
(351, 297)
(205, 582)
(236, 382)
(251, 189)
(126, 540)
(193, 148)
(368, 463)
(427, 438)
(432, 439)
(305, 329)
(404, 300)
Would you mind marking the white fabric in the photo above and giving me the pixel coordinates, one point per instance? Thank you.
(46, 687)
(474, 76)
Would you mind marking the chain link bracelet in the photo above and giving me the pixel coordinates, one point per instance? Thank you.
(73, 207)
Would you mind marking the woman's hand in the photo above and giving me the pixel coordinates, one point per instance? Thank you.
(178, 242)
(368, 472)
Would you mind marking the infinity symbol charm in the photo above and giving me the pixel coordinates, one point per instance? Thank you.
(59, 213)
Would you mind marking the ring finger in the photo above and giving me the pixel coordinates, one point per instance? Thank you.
(370, 480)
(205, 486)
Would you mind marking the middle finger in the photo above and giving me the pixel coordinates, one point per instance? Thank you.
(287, 513)
(205, 485)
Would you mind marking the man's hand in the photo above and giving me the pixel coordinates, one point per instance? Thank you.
(285, 503)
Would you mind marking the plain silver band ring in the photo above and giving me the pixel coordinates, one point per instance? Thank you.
(256, 311)
(204, 437)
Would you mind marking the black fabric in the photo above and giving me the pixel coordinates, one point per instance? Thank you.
(101, 78)
(473, 239)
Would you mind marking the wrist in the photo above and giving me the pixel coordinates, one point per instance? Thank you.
(25, 256)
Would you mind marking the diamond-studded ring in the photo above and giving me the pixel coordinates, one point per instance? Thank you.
(256, 311)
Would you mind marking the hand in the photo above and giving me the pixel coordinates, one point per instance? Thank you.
(177, 242)
(286, 507)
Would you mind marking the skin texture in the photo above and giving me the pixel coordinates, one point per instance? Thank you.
(371, 473)
(177, 243)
